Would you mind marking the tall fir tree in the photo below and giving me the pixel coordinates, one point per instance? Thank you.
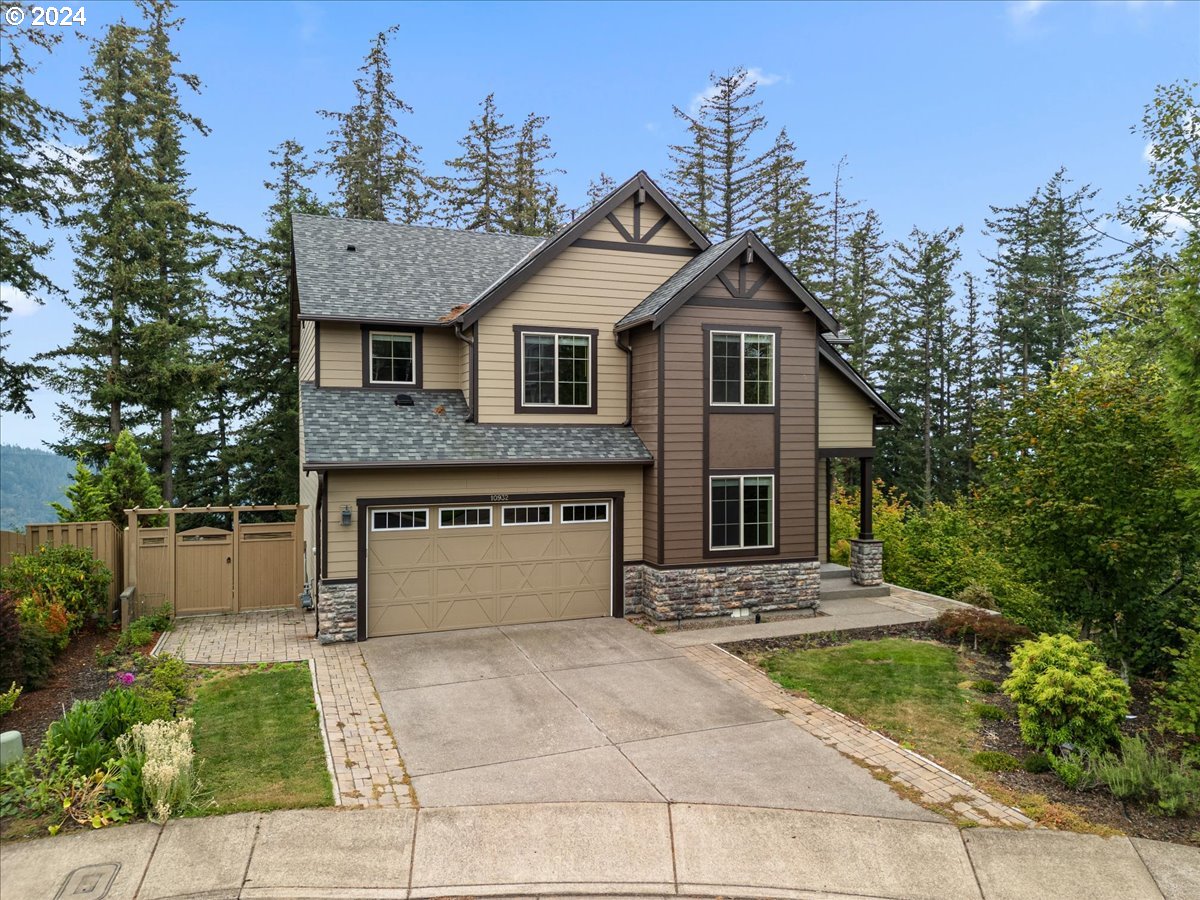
(690, 175)
(113, 250)
(35, 185)
(790, 219)
(87, 502)
(599, 188)
(970, 366)
(842, 220)
(533, 205)
(376, 168)
(864, 292)
(477, 190)
(126, 481)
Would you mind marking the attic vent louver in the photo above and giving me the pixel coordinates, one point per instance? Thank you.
(350, 248)
(404, 400)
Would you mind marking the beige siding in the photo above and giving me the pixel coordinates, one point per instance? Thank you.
(846, 418)
(341, 357)
(345, 487)
(308, 351)
(582, 288)
(670, 235)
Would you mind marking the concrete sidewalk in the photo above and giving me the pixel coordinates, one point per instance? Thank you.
(596, 849)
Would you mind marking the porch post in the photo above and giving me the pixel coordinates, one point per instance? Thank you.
(866, 553)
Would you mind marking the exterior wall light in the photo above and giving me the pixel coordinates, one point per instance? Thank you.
(346, 516)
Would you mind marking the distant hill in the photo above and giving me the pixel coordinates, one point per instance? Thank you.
(30, 480)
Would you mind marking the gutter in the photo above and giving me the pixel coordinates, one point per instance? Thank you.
(470, 342)
(628, 351)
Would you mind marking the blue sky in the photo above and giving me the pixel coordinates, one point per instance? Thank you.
(941, 108)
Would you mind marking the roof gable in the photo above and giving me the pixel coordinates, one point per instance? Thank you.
(884, 413)
(662, 303)
(639, 186)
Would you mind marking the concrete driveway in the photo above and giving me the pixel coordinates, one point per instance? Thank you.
(598, 710)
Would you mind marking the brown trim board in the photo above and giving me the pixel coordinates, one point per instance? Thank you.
(847, 452)
(633, 247)
(317, 351)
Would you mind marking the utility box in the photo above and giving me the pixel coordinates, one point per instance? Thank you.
(12, 748)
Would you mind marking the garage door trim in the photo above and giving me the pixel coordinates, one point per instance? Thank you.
(617, 498)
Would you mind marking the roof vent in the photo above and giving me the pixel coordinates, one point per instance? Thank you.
(404, 400)
(350, 248)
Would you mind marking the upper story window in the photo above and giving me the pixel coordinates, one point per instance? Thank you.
(743, 368)
(393, 357)
(557, 370)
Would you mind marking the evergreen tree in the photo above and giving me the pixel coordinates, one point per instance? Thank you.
(790, 219)
(35, 182)
(864, 291)
(126, 481)
(917, 365)
(88, 503)
(533, 206)
(599, 188)
(476, 194)
(1182, 362)
(376, 168)
(690, 175)
(113, 252)
(971, 376)
(842, 215)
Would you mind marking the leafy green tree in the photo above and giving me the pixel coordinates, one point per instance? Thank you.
(377, 169)
(88, 503)
(1171, 196)
(1181, 356)
(37, 181)
(476, 193)
(1080, 480)
(126, 481)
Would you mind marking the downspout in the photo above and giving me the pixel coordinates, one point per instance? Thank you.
(628, 351)
(322, 522)
(470, 342)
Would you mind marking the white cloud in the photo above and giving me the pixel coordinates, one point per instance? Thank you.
(1022, 11)
(754, 74)
(19, 301)
(309, 18)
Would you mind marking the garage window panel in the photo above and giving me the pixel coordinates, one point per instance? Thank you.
(399, 519)
(465, 517)
(527, 515)
(584, 512)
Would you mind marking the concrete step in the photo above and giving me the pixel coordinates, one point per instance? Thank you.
(843, 589)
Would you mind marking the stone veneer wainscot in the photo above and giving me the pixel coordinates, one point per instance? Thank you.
(337, 611)
(690, 593)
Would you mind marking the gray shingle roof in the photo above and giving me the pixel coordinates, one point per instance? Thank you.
(363, 426)
(662, 294)
(407, 273)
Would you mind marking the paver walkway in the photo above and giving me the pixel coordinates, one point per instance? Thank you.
(937, 787)
(367, 767)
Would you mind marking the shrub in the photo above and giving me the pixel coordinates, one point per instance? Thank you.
(986, 631)
(988, 711)
(86, 735)
(57, 587)
(38, 649)
(977, 595)
(26, 650)
(1178, 707)
(1072, 768)
(162, 755)
(1065, 694)
(157, 621)
(170, 674)
(8, 699)
(136, 636)
(1036, 763)
(984, 686)
(1136, 771)
(996, 761)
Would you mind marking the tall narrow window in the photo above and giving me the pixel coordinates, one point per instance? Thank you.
(742, 366)
(393, 358)
(742, 512)
(556, 369)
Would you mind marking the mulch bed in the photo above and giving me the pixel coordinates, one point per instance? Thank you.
(76, 677)
(1095, 806)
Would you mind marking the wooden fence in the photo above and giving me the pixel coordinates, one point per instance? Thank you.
(12, 543)
(104, 539)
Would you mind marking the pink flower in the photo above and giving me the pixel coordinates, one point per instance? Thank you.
(127, 678)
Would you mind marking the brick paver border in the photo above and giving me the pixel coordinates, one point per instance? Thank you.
(364, 762)
(935, 786)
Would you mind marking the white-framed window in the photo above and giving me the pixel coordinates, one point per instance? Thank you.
(527, 515)
(393, 357)
(584, 512)
(465, 517)
(399, 519)
(556, 369)
(741, 512)
(742, 368)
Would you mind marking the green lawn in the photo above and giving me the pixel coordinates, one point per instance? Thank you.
(259, 741)
(909, 690)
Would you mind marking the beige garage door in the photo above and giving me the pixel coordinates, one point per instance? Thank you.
(439, 568)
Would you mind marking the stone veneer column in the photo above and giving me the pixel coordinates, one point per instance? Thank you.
(866, 562)
(337, 611)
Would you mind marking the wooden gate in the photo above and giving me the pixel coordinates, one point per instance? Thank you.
(207, 570)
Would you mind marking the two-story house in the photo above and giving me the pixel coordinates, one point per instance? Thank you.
(499, 429)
